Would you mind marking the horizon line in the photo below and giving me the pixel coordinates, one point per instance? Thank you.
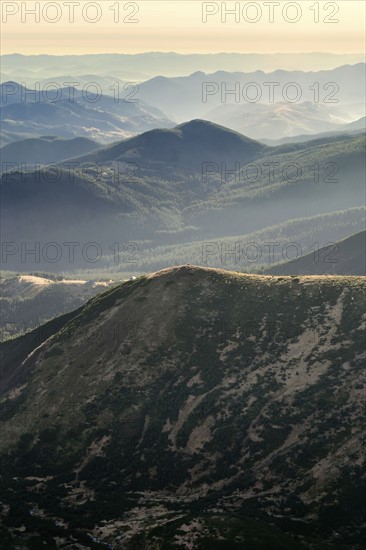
(183, 54)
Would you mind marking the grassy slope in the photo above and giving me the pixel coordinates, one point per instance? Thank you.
(212, 390)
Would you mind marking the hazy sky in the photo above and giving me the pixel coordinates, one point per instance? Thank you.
(149, 25)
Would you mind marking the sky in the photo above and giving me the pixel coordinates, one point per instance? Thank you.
(185, 26)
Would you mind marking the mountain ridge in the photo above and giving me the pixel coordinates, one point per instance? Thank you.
(44, 150)
(70, 112)
(199, 392)
(186, 141)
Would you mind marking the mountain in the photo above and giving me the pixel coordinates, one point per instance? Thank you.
(184, 147)
(352, 128)
(261, 121)
(196, 182)
(345, 257)
(71, 112)
(358, 125)
(28, 301)
(140, 66)
(44, 150)
(326, 100)
(10, 137)
(105, 82)
(190, 408)
(199, 94)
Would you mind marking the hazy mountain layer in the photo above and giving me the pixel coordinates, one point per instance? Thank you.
(43, 150)
(182, 98)
(356, 127)
(198, 181)
(71, 112)
(143, 65)
(260, 121)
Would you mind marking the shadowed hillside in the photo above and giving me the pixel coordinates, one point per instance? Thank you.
(346, 257)
(195, 182)
(184, 147)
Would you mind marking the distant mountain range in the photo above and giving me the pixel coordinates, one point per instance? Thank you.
(190, 403)
(185, 97)
(261, 105)
(266, 122)
(70, 112)
(352, 128)
(143, 65)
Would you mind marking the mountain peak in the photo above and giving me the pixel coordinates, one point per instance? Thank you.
(200, 124)
(187, 145)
